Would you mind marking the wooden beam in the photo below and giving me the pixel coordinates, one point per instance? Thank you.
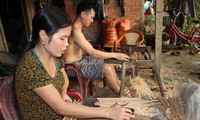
(28, 13)
(159, 24)
(142, 15)
(3, 42)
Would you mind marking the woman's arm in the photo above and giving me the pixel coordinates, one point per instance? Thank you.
(52, 97)
(64, 95)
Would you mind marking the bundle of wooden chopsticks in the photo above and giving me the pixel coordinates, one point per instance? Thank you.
(172, 108)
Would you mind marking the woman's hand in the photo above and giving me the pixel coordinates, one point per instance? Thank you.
(121, 56)
(119, 112)
(66, 98)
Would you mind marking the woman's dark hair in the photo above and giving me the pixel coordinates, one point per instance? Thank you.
(50, 19)
(84, 6)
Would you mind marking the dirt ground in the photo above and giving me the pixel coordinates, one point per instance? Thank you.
(174, 69)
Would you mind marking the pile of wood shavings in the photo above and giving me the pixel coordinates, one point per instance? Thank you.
(141, 88)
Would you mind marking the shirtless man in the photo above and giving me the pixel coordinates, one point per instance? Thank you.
(89, 60)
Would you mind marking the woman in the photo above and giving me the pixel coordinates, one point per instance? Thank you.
(41, 81)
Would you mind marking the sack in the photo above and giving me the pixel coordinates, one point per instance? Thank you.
(110, 31)
(189, 93)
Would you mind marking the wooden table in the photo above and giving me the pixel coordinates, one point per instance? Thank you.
(133, 63)
(148, 62)
(90, 101)
(125, 66)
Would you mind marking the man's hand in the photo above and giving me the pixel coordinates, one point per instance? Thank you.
(121, 56)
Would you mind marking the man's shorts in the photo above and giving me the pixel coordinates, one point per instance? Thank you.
(90, 67)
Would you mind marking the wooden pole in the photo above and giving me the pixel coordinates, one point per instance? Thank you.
(159, 27)
(3, 42)
(158, 37)
(28, 13)
(142, 15)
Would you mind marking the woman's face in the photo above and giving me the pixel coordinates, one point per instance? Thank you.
(58, 43)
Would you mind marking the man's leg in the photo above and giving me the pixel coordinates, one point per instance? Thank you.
(118, 81)
(111, 77)
(93, 68)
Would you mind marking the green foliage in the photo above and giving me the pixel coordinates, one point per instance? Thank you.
(150, 20)
(189, 24)
(197, 7)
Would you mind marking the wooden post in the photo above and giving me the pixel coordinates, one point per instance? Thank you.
(3, 42)
(28, 13)
(158, 40)
(158, 43)
(142, 15)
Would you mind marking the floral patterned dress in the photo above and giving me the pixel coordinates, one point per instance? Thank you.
(30, 74)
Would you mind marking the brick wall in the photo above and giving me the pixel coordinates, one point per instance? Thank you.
(94, 32)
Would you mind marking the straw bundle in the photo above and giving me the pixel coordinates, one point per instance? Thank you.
(140, 86)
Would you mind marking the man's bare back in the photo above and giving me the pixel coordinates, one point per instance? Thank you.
(74, 53)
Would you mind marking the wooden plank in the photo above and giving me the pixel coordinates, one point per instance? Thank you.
(145, 50)
(132, 102)
(113, 61)
(135, 48)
